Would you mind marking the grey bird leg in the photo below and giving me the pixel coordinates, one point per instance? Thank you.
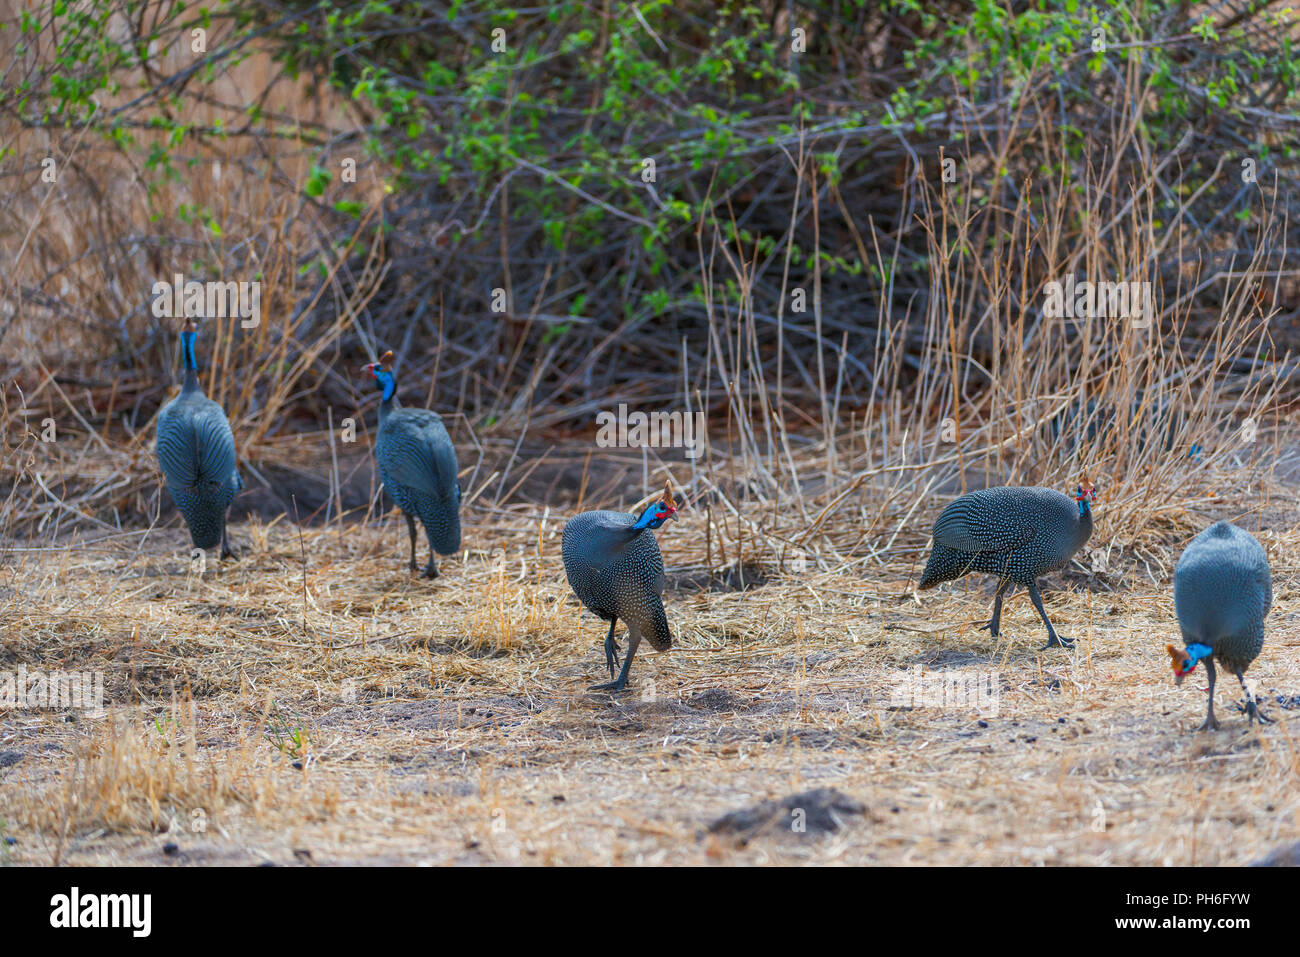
(430, 570)
(1211, 722)
(633, 639)
(996, 620)
(611, 648)
(226, 551)
(1251, 707)
(410, 527)
(1053, 641)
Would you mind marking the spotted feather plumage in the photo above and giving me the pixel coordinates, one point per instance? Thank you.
(196, 452)
(1222, 591)
(1016, 534)
(418, 466)
(617, 572)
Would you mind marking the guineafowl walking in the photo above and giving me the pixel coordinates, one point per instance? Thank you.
(196, 452)
(1018, 534)
(614, 567)
(1222, 591)
(417, 463)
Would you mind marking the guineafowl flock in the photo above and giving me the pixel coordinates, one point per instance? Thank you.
(1222, 583)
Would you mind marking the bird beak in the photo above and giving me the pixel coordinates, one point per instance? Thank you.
(1178, 678)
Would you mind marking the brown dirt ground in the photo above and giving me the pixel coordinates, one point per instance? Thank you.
(374, 718)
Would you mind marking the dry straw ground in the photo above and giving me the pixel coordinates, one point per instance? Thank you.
(313, 703)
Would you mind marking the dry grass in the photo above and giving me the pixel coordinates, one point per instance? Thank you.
(372, 717)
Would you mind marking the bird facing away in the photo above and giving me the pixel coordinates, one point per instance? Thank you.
(1017, 534)
(614, 567)
(417, 463)
(196, 452)
(1222, 591)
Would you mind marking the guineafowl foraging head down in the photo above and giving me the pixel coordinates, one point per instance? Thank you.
(1222, 591)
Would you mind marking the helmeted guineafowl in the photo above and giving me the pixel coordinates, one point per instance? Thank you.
(1017, 534)
(196, 452)
(417, 463)
(614, 567)
(1222, 591)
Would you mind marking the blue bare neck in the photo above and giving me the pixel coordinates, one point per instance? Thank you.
(389, 386)
(191, 363)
